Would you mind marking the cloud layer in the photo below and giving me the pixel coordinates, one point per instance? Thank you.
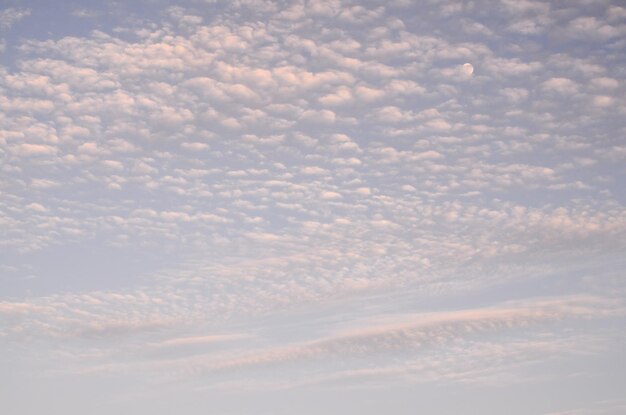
(209, 192)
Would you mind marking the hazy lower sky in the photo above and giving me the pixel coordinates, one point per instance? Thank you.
(312, 207)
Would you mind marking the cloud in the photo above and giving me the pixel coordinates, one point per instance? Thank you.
(10, 16)
(561, 85)
(202, 340)
(329, 195)
(467, 334)
(36, 150)
(320, 182)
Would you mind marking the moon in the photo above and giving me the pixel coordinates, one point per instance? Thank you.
(468, 69)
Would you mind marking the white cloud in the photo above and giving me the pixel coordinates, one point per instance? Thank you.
(561, 85)
(10, 16)
(329, 195)
(36, 150)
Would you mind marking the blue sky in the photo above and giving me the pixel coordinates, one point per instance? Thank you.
(341, 207)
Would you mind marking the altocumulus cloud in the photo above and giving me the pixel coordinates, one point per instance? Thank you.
(204, 205)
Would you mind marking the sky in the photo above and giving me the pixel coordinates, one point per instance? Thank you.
(312, 207)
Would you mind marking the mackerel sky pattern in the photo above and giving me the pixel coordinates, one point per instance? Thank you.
(306, 207)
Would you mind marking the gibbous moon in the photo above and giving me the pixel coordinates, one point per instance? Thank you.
(468, 68)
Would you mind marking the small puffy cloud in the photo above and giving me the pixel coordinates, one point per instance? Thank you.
(533, 26)
(314, 170)
(561, 85)
(602, 101)
(369, 94)
(113, 165)
(515, 94)
(195, 146)
(10, 16)
(510, 66)
(340, 96)
(592, 28)
(616, 13)
(329, 195)
(36, 150)
(142, 167)
(90, 148)
(321, 116)
(605, 83)
(231, 123)
(438, 124)
(36, 207)
(43, 183)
